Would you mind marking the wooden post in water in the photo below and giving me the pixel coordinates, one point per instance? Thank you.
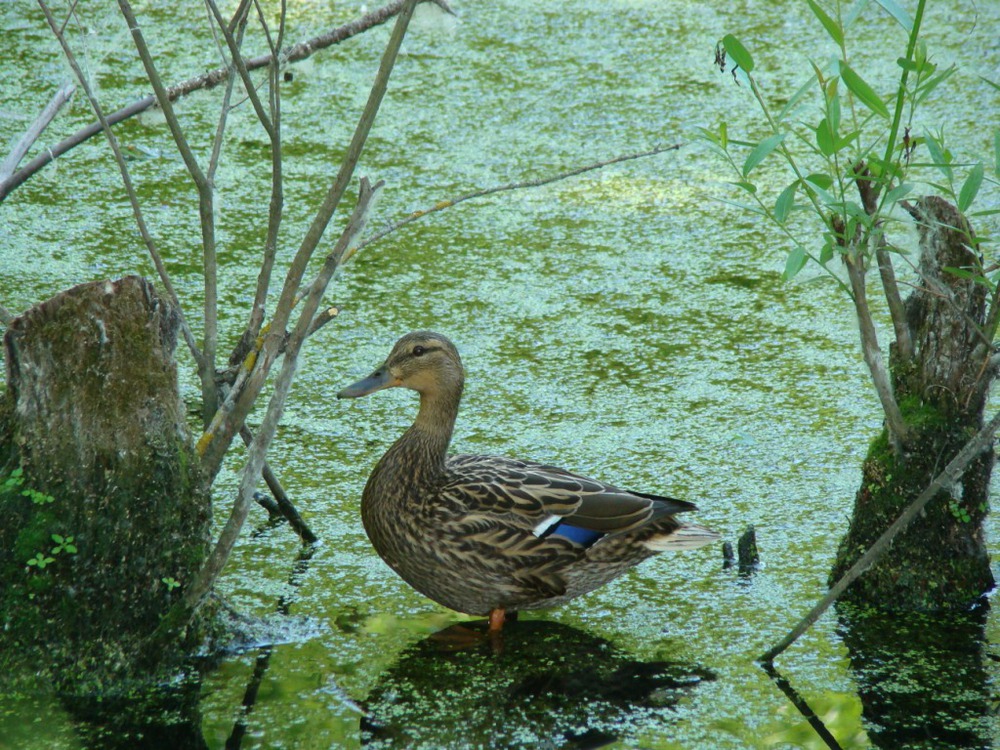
(106, 516)
(940, 560)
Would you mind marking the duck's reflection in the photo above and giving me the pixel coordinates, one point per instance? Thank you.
(922, 677)
(546, 684)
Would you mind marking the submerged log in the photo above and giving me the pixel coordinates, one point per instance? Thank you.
(106, 516)
(940, 560)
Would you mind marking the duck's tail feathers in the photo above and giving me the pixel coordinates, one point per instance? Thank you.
(685, 536)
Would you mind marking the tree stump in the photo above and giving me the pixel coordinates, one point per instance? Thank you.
(106, 515)
(940, 560)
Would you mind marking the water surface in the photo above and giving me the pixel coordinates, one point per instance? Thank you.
(625, 323)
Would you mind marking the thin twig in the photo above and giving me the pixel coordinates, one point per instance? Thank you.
(284, 504)
(240, 22)
(208, 80)
(140, 221)
(873, 355)
(897, 311)
(34, 132)
(203, 581)
(217, 438)
(276, 205)
(951, 474)
(206, 212)
(441, 205)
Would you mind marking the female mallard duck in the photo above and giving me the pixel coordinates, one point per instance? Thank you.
(492, 535)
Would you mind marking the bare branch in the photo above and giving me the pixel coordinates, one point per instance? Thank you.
(206, 212)
(208, 80)
(869, 190)
(283, 504)
(897, 311)
(219, 435)
(147, 239)
(272, 126)
(441, 205)
(873, 355)
(203, 582)
(322, 318)
(34, 132)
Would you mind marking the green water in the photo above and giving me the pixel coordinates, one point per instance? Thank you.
(625, 324)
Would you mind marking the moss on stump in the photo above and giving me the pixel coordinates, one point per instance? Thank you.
(96, 454)
(941, 383)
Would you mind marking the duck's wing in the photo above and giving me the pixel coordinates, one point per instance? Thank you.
(547, 500)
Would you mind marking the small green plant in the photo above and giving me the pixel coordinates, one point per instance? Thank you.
(170, 582)
(38, 498)
(63, 544)
(959, 511)
(16, 479)
(40, 560)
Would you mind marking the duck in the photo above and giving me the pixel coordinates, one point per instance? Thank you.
(489, 535)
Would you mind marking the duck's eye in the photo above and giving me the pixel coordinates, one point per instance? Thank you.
(419, 351)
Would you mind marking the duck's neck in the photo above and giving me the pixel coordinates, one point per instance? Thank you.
(424, 446)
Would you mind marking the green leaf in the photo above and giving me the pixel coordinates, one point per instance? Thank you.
(796, 98)
(906, 64)
(825, 138)
(924, 89)
(737, 52)
(865, 93)
(761, 152)
(833, 111)
(831, 26)
(897, 11)
(898, 193)
(826, 253)
(785, 202)
(820, 180)
(941, 157)
(970, 187)
(845, 141)
(794, 262)
(744, 185)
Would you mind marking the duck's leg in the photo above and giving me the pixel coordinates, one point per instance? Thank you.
(497, 617)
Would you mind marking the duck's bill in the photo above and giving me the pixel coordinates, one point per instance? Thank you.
(375, 382)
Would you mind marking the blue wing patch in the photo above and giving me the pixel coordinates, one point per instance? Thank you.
(586, 537)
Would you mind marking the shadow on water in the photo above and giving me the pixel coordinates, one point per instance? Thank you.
(546, 684)
(169, 716)
(157, 717)
(921, 677)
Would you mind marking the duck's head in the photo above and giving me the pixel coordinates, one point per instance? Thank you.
(423, 361)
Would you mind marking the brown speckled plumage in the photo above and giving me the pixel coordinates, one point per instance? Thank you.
(481, 534)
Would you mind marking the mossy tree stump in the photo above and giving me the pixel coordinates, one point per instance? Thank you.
(93, 419)
(941, 384)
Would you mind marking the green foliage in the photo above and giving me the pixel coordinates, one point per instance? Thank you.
(960, 513)
(170, 582)
(40, 560)
(16, 479)
(63, 544)
(847, 145)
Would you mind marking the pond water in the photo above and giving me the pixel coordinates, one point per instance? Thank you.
(625, 324)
